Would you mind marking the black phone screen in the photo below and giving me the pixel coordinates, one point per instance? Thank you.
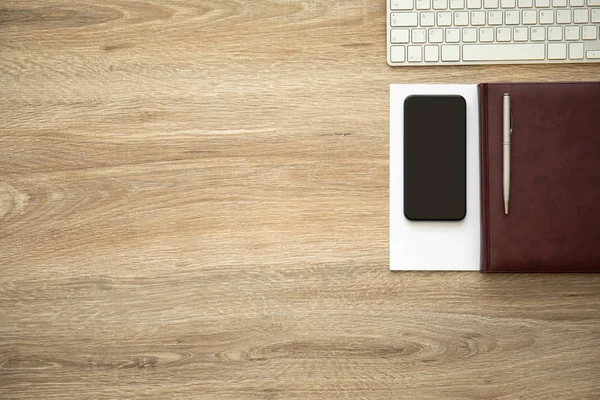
(435, 158)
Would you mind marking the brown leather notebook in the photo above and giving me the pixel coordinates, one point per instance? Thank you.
(553, 223)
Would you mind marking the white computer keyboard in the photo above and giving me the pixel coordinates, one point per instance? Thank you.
(459, 32)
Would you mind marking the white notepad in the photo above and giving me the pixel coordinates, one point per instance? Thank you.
(434, 245)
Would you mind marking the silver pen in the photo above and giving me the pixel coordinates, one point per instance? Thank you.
(506, 133)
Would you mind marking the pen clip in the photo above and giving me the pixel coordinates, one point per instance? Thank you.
(511, 120)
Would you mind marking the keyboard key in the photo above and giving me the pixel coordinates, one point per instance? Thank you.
(525, 3)
(542, 3)
(399, 35)
(477, 18)
(419, 36)
(486, 34)
(559, 3)
(577, 3)
(521, 34)
(593, 3)
(557, 51)
(427, 19)
(546, 16)
(589, 32)
(555, 33)
(508, 3)
(538, 34)
(452, 35)
(473, 3)
(576, 51)
(592, 54)
(444, 18)
(511, 17)
(423, 4)
(563, 16)
(490, 3)
(529, 17)
(414, 54)
(440, 4)
(469, 35)
(435, 36)
(572, 33)
(461, 18)
(503, 34)
(495, 17)
(503, 52)
(402, 4)
(581, 16)
(451, 53)
(595, 14)
(432, 54)
(404, 19)
(397, 53)
(457, 4)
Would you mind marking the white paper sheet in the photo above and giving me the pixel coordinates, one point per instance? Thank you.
(434, 245)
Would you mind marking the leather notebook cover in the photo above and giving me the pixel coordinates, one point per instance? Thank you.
(553, 224)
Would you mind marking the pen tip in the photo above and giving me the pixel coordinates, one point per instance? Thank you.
(505, 206)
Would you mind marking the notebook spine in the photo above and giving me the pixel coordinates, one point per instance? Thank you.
(484, 167)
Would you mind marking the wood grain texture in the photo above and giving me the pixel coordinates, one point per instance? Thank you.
(194, 204)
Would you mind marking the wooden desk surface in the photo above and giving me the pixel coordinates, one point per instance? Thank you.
(194, 203)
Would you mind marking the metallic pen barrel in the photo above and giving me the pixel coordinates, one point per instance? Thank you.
(506, 133)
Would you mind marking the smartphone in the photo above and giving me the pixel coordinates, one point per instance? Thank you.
(435, 158)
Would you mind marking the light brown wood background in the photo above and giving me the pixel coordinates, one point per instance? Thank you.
(194, 203)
